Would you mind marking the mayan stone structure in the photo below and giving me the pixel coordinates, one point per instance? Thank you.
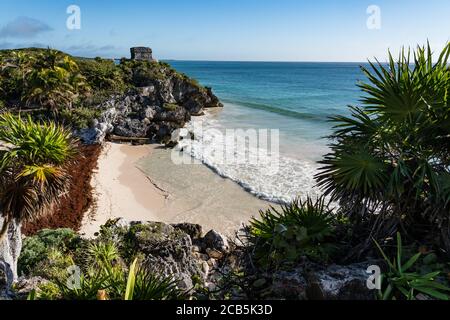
(141, 53)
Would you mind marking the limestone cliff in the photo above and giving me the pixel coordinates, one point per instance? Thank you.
(159, 101)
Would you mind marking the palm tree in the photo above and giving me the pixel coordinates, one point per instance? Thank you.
(389, 164)
(51, 79)
(33, 177)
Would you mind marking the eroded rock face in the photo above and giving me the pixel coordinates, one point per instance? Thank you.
(289, 284)
(339, 283)
(169, 250)
(152, 111)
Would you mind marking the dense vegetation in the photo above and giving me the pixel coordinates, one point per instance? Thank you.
(105, 271)
(33, 164)
(53, 85)
(388, 170)
(390, 165)
(296, 230)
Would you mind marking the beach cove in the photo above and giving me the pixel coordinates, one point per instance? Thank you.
(141, 183)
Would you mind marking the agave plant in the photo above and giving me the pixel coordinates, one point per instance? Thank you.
(33, 174)
(392, 155)
(301, 228)
(401, 282)
(105, 279)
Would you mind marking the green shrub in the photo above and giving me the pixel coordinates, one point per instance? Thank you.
(47, 291)
(80, 117)
(41, 78)
(102, 74)
(297, 229)
(403, 280)
(106, 272)
(389, 163)
(40, 247)
(54, 265)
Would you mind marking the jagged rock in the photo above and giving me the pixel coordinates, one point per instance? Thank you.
(339, 283)
(213, 101)
(195, 231)
(25, 285)
(214, 254)
(149, 113)
(206, 268)
(289, 284)
(141, 111)
(146, 91)
(179, 116)
(167, 250)
(131, 128)
(216, 241)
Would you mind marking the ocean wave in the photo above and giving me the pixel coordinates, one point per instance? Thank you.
(262, 172)
(281, 111)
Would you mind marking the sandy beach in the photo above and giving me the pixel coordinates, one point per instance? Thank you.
(141, 183)
(121, 189)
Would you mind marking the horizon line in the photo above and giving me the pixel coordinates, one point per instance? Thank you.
(200, 60)
(262, 61)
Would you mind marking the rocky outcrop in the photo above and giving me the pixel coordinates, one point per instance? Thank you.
(178, 250)
(340, 283)
(154, 109)
(206, 266)
(334, 282)
(289, 284)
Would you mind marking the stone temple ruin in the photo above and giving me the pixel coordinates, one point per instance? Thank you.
(142, 54)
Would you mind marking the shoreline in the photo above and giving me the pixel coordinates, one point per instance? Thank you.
(120, 189)
(141, 183)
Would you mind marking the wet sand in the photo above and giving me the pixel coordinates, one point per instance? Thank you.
(142, 183)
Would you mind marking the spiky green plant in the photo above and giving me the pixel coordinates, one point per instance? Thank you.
(105, 273)
(296, 229)
(401, 281)
(392, 155)
(33, 164)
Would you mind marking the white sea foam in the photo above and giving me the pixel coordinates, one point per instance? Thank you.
(292, 178)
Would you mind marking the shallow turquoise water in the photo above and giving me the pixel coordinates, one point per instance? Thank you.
(295, 98)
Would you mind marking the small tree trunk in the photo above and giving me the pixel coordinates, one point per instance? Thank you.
(10, 248)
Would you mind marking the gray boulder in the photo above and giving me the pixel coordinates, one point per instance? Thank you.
(340, 283)
(132, 128)
(216, 241)
(289, 284)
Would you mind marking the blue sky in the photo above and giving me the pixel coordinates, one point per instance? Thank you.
(258, 30)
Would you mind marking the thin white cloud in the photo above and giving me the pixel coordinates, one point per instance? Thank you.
(24, 27)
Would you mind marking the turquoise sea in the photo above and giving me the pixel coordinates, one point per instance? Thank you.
(295, 98)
